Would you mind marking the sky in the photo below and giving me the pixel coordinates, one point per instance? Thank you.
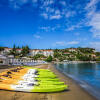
(44, 24)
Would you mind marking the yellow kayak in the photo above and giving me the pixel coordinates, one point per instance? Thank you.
(30, 80)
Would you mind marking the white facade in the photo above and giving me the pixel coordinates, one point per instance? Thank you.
(44, 52)
(5, 51)
(72, 49)
(31, 53)
(3, 60)
(19, 50)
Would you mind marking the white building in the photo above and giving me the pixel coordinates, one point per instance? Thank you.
(5, 51)
(3, 60)
(44, 52)
(19, 50)
(31, 53)
(72, 49)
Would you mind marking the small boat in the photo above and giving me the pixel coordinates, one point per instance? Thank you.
(33, 88)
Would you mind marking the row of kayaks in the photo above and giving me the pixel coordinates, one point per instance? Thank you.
(30, 80)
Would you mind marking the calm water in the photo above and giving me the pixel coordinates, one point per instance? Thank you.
(86, 74)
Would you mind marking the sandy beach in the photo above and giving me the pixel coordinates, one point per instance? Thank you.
(75, 92)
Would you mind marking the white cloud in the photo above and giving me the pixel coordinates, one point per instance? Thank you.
(47, 2)
(63, 43)
(37, 36)
(81, 39)
(73, 42)
(46, 7)
(49, 9)
(50, 13)
(91, 4)
(69, 14)
(34, 1)
(72, 27)
(77, 34)
(49, 28)
(58, 16)
(45, 28)
(95, 45)
(13, 4)
(95, 23)
(17, 4)
(55, 12)
(45, 15)
(93, 18)
(63, 3)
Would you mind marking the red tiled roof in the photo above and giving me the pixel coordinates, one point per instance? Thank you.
(18, 49)
(40, 50)
(7, 48)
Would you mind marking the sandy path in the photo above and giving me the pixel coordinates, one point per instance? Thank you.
(74, 92)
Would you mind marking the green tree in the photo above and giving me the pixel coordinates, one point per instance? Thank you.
(18, 47)
(25, 50)
(83, 57)
(57, 53)
(61, 58)
(38, 56)
(71, 59)
(98, 59)
(86, 50)
(97, 53)
(35, 58)
(49, 59)
(13, 51)
(1, 48)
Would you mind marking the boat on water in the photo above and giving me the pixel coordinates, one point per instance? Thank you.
(29, 79)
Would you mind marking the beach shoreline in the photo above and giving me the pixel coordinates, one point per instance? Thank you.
(75, 92)
(76, 62)
(72, 86)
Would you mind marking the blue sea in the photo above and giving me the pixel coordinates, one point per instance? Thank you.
(86, 74)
